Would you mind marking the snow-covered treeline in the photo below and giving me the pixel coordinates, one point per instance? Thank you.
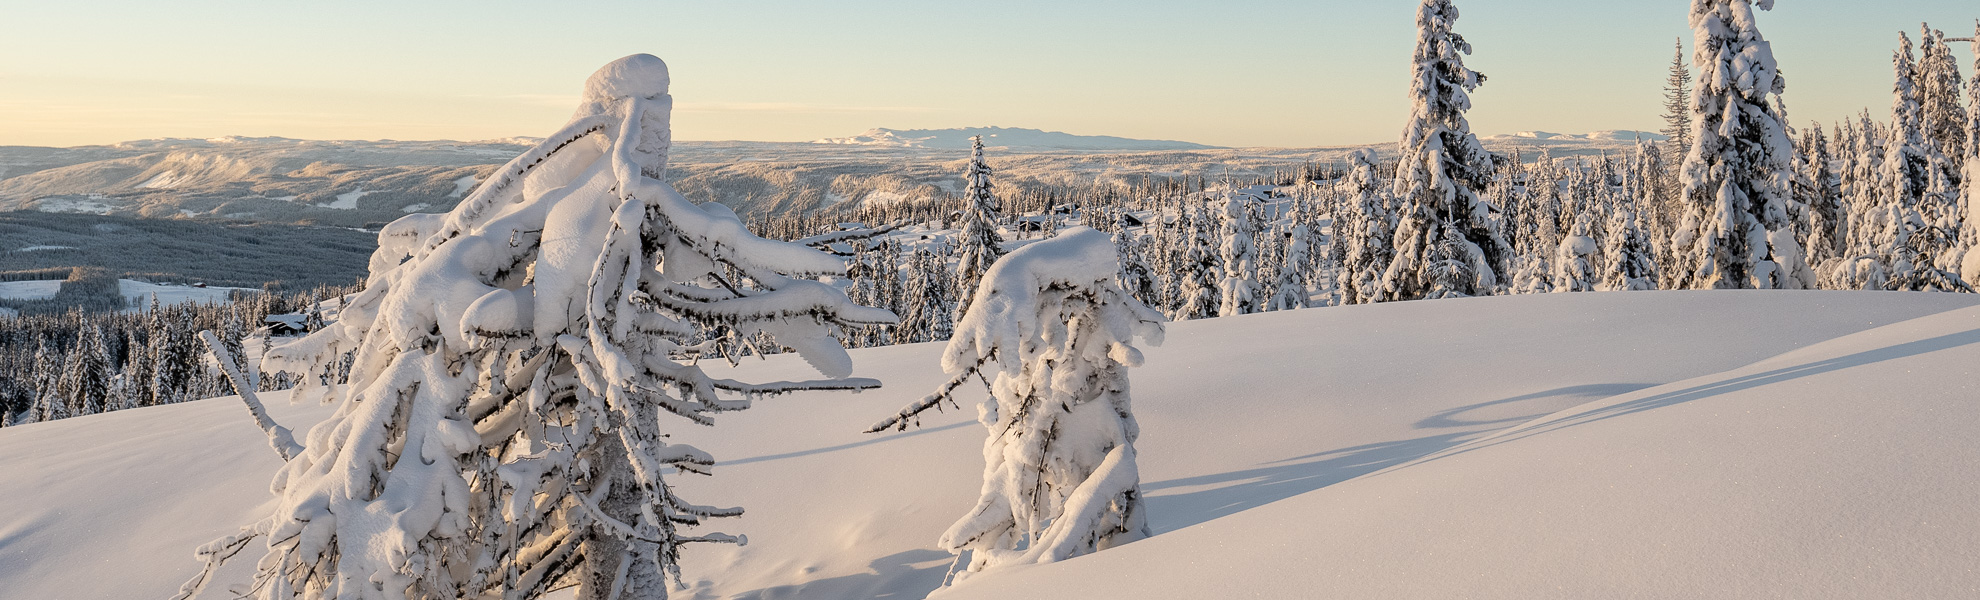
(79, 363)
(1752, 202)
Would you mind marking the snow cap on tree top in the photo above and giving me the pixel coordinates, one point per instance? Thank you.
(636, 76)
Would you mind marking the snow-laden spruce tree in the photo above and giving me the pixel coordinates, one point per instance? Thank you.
(1369, 231)
(1828, 232)
(1442, 168)
(86, 376)
(1290, 288)
(1056, 335)
(1939, 85)
(1137, 276)
(1907, 154)
(502, 431)
(1739, 169)
(1199, 269)
(979, 245)
(1677, 104)
(1631, 262)
(1574, 263)
(929, 302)
(48, 402)
(1919, 212)
(1239, 290)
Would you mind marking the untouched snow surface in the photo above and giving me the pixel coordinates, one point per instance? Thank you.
(175, 294)
(30, 290)
(1647, 444)
(138, 290)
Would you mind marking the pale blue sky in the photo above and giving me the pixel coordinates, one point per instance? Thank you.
(1224, 72)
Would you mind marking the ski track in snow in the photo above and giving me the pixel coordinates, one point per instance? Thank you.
(1685, 444)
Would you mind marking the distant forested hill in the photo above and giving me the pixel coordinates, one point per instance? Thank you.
(221, 253)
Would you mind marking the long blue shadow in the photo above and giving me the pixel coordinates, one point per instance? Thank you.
(1455, 417)
(1244, 489)
(909, 575)
(1251, 488)
(1743, 382)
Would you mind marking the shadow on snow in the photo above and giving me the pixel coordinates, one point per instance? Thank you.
(1237, 491)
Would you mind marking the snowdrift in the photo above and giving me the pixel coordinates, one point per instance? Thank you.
(1659, 444)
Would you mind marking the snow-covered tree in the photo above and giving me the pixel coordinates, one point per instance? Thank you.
(1056, 335)
(1907, 154)
(48, 402)
(174, 354)
(86, 376)
(1574, 263)
(930, 302)
(1737, 173)
(1290, 288)
(1677, 103)
(1822, 193)
(1441, 170)
(1368, 230)
(1239, 289)
(979, 245)
(1631, 261)
(1939, 83)
(1919, 213)
(1137, 276)
(1199, 269)
(501, 434)
(1866, 192)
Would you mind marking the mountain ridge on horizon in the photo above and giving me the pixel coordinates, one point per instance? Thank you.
(952, 138)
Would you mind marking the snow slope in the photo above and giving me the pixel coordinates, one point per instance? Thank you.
(1352, 452)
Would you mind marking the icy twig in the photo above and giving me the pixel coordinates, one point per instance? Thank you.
(934, 400)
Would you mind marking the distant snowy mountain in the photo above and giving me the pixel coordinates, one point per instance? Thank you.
(1008, 137)
(1606, 135)
(360, 183)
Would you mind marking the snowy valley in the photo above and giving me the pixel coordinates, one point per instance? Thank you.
(1733, 359)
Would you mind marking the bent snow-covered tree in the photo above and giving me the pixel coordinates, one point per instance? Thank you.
(501, 434)
(1055, 332)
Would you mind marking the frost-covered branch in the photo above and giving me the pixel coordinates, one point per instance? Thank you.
(824, 241)
(279, 437)
(912, 412)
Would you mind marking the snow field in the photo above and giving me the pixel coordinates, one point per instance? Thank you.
(175, 294)
(1839, 470)
(1641, 451)
(30, 290)
(141, 290)
(1237, 414)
